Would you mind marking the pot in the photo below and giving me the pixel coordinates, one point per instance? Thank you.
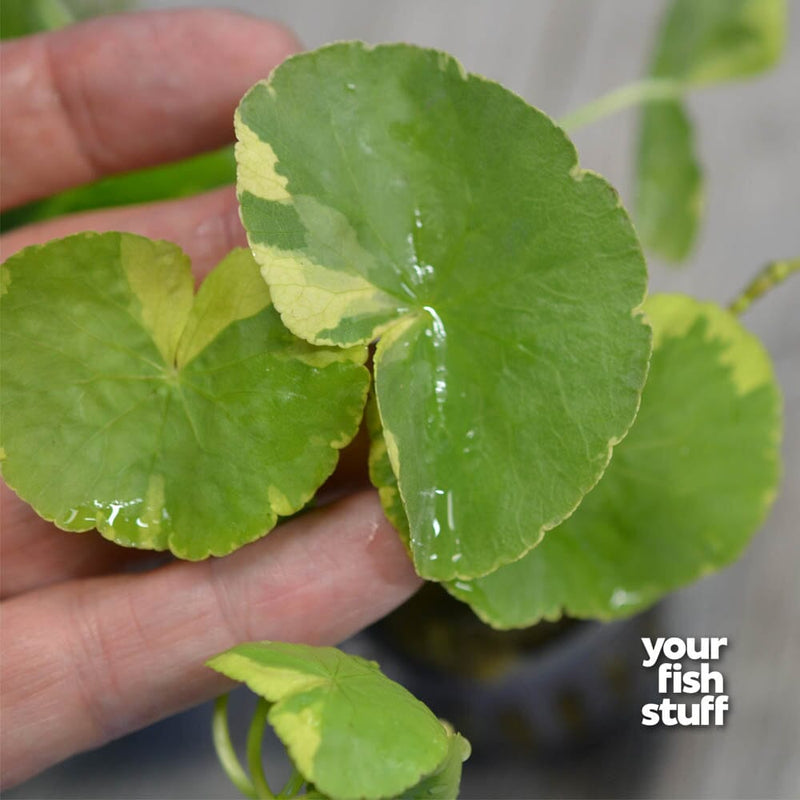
(552, 688)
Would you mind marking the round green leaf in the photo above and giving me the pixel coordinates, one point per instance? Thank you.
(683, 494)
(162, 420)
(349, 730)
(387, 192)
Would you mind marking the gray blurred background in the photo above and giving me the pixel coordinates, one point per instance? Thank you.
(558, 54)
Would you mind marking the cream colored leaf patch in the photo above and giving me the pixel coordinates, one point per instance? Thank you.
(740, 351)
(162, 305)
(257, 166)
(313, 298)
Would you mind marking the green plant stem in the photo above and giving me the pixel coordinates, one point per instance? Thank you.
(255, 737)
(775, 273)
(225, 752)
(645, 91)
(293, 785)
(54, 14)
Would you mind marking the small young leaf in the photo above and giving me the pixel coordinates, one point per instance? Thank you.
(683, 494)
(699, 43)
(719, 40)
(669, 189)
(385, 191)
(163, 421)
(349, 730)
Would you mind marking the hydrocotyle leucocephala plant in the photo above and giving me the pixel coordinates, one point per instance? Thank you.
(349, 731)
(407, 202)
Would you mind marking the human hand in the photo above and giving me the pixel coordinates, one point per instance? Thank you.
(90, 650)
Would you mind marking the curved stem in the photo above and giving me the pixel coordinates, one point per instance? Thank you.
(224, 747)
(293, 785)
(255, 736)
(775, 273)
(646, 91)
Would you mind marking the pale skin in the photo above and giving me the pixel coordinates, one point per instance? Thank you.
(90, 648)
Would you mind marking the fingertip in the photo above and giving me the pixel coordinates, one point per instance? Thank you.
(206, 226)
(127, 91)
(250, 44)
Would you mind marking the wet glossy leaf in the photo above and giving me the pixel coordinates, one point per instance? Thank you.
(699, 43)
(163, 420)
(349, 730)
(386, 192)
(683, 494)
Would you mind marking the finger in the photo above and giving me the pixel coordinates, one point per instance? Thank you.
(35, 554)
(87, 661)
(126, 91)
(206, 226)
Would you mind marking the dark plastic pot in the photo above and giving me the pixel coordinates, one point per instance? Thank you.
(555, 687)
